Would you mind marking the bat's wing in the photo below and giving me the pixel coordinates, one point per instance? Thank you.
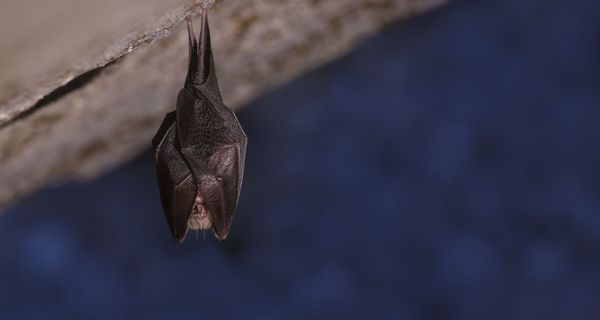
(242, 142)
(167, 123)
(207, 141)
(219, 180)
(230, 184)
(213, 147)
(176, 182)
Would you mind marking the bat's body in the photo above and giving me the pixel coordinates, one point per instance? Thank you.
(200, 150)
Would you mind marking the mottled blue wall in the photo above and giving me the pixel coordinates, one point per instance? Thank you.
(447, 169)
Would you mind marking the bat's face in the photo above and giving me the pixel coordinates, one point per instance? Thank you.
(200, 150)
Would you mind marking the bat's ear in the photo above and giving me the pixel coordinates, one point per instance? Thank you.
(201, 67)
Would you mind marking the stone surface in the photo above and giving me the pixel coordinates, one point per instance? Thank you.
(81, 96)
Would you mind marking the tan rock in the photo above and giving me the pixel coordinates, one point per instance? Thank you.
(86, 83)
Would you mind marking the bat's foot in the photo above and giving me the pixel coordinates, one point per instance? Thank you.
(200, 63)
(206, 3)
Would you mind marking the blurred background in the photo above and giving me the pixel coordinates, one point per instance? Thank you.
(447, 169)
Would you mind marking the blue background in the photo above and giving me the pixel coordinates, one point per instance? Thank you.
(447, 169)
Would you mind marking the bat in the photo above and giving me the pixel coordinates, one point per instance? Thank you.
(200, 149)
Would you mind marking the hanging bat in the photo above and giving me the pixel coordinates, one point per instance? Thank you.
(200, 149)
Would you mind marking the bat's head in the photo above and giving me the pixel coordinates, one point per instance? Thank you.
(199, 218)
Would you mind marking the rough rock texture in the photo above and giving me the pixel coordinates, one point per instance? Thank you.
(85, 84)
